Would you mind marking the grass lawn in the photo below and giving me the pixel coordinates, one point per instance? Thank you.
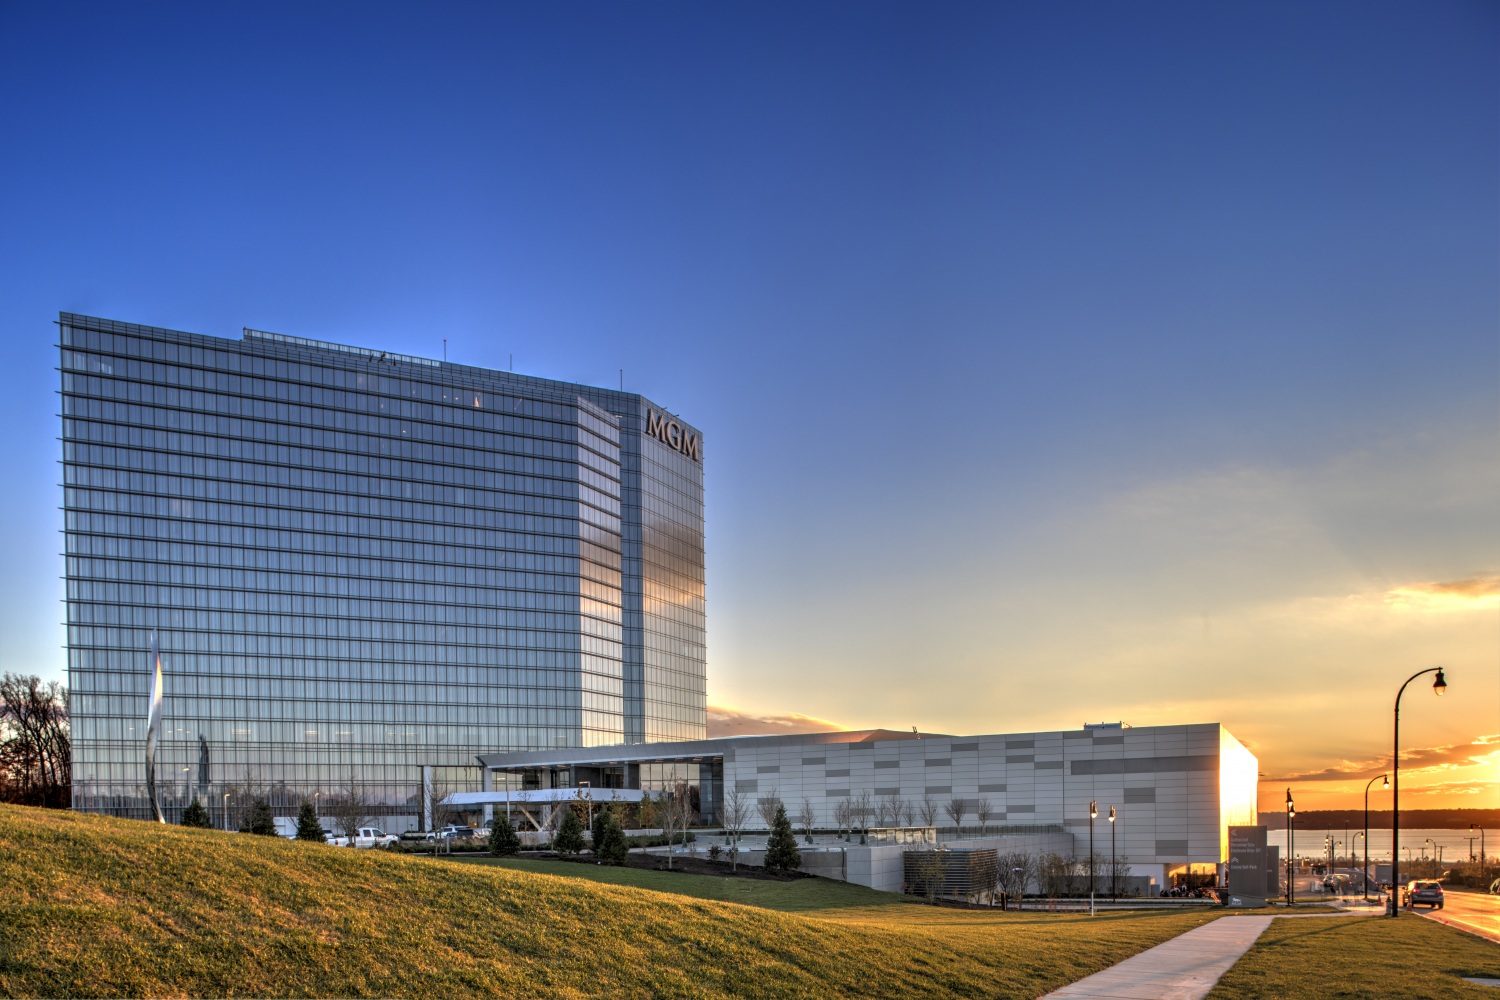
(1361, 957)
(103, 907)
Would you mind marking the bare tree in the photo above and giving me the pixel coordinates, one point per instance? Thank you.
(806, 818)
(861, 808)
(843, 815)
(1017, 872)
(350, 809)
(928, 810)
(890, 810)
(35, 749)
(908, 812)
(983, 810)
(1116, 870)
(676, 807)
(767, 805)
(1055, 873)
(736, 815)
(956, 808)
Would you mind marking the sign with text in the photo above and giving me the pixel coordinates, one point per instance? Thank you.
(1248, 874)
(672, 434)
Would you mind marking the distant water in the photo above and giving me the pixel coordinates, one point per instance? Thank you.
(1455, 843)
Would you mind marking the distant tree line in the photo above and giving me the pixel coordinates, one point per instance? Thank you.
(36, 761)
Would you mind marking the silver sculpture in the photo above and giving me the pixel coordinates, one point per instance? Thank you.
(153, 730)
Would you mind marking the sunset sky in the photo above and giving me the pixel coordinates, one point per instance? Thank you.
(1055, 363)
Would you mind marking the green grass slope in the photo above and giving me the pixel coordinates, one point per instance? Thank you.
(1362, 958)
(101, 907)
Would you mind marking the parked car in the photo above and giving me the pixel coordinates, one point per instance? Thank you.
(333, 840)
(1426, 891)
(369, 836)
(1495, 887)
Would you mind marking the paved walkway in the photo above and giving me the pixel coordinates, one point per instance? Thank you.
(1184, 968)
(1188, 966)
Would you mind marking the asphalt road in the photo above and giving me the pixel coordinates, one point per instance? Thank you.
(1475, 912)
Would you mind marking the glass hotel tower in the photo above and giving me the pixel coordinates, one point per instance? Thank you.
(360, 563)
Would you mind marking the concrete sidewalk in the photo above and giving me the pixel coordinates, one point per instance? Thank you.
(1188, 966)
(1184, 968)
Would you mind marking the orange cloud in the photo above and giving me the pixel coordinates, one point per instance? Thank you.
(725, 721)
(1473, 593)
(1413, 761)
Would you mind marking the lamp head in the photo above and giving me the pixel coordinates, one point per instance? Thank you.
(1093, 810)
(1385, 781)
(1111, 814)
(1440, 686)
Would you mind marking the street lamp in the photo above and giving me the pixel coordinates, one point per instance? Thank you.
(1291, 814)
(1386, 778)
(225, 813)
(1093, 813)
(1114, 890)
(1439, 688)
(315, 809)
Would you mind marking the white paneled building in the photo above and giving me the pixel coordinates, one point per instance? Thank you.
(1175, 789)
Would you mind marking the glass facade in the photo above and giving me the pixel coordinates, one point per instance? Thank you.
(360, 563)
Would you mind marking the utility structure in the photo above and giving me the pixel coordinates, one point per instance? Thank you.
(1439, 688)
(1114, 870)
(1472, 828)
(1093, 814)
(1291, 814)
(1386, 778)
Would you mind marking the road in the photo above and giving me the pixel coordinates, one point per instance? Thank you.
(1475, 912)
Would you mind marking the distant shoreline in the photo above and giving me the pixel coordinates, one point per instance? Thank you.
(1427, 819)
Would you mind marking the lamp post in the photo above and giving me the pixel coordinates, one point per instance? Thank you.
(1093, 812)
(1357, 834)
(1472, 828)
(225, 814)
(316, 816)
(1387, 779)
(1291, 814)
(1439, 688)
(1114, 889)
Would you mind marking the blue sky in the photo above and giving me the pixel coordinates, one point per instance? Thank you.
(1055, 362)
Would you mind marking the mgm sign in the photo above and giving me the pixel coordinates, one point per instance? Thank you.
(675, 436)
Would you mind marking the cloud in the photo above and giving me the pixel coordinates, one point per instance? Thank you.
(1476, 786)
(1472, 593)
(1413, 761)
(725, 721)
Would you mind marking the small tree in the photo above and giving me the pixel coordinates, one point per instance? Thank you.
(928, 810)
(781, 849)
(308, 827)
(195, 815)
(350, 809)
(736, 815)
(908, 812)
(983, 810)
(596, 828)
(610, 845)
(890, 810)
(503, 839)
(646, 813)
(861, 807)
(767, 806)
(569, 839)
(675, 805)
(806, 818)
(258, 819)
(843, 816)
(956, 808)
